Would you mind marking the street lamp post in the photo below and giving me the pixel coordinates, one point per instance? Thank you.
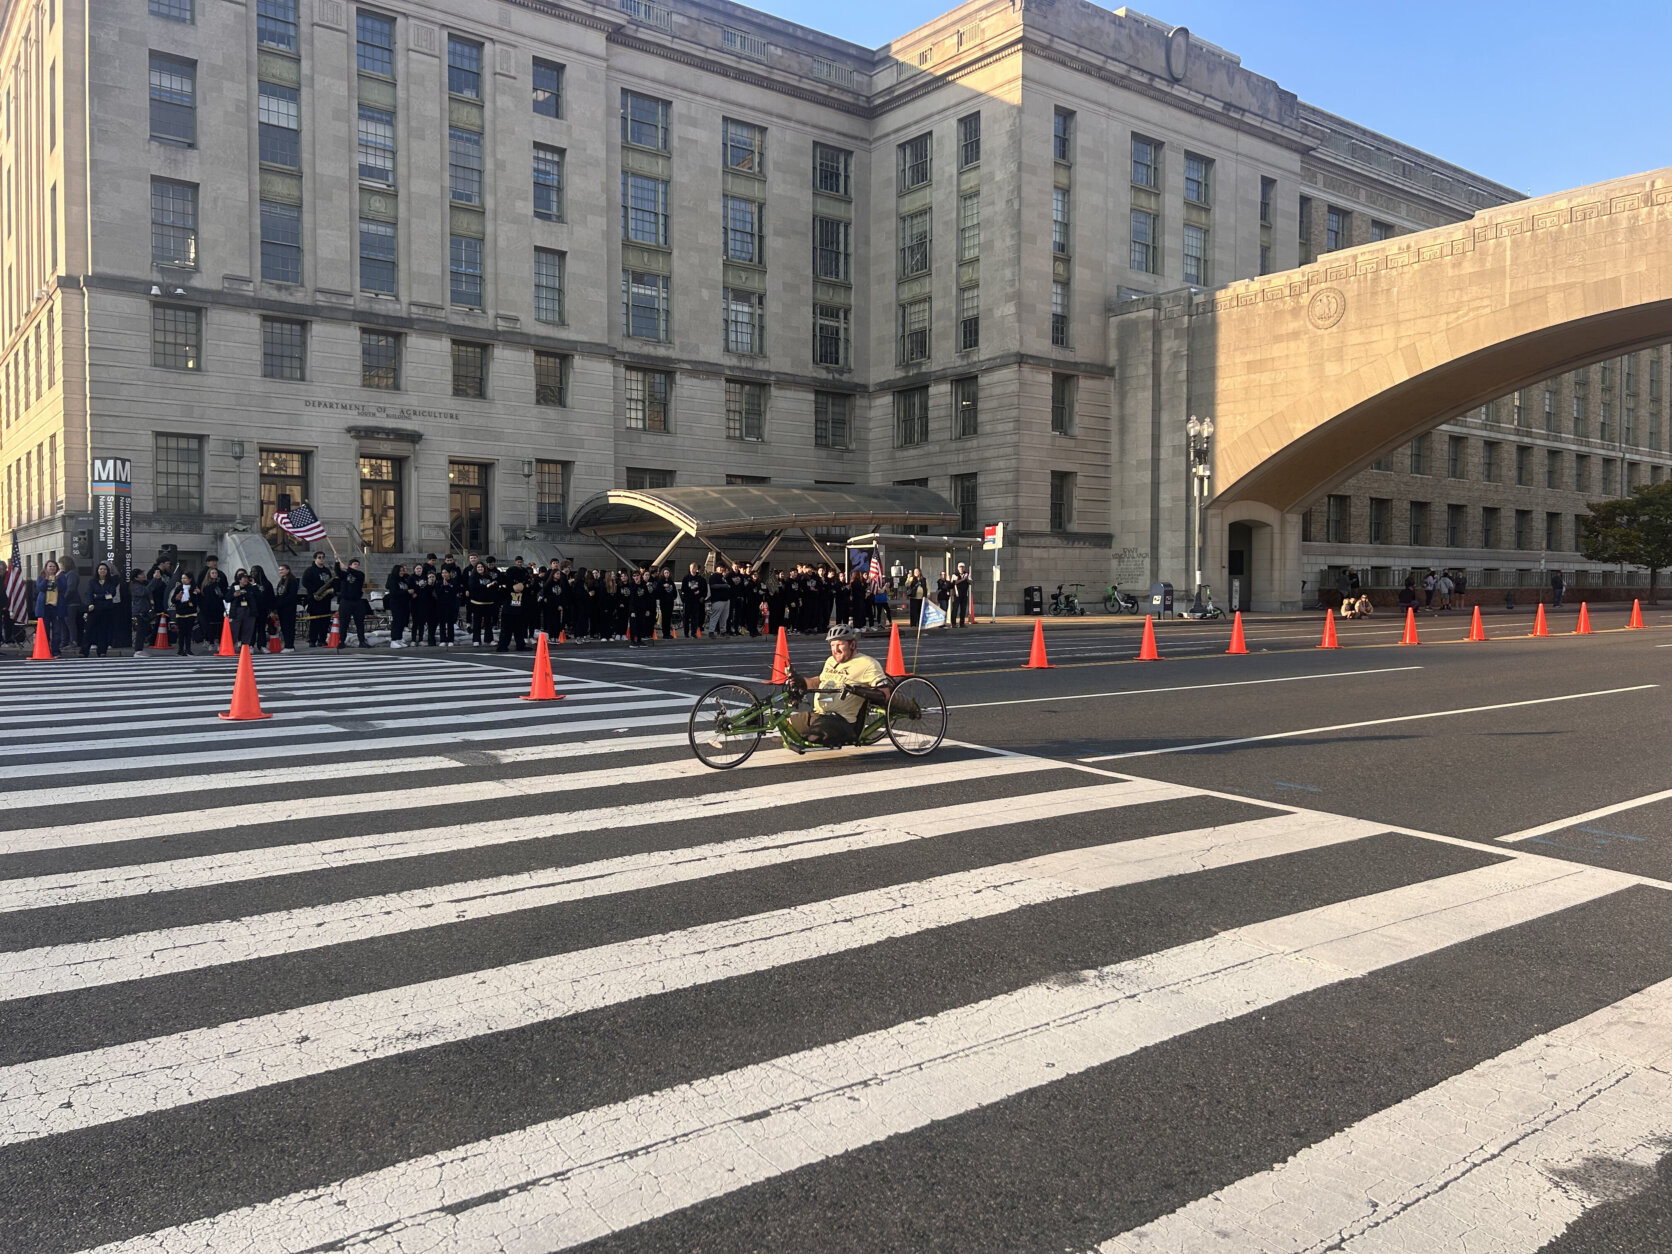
(1200, 431)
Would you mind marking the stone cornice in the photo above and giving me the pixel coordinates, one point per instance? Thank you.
(621, 37)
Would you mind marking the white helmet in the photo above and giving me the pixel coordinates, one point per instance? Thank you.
(841, 631)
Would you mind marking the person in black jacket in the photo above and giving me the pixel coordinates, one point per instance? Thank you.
(139, 608)
(285, 592)
(319, 585)
(444, 611)
(351, 582)
(482, 604)
(514, 592)
(264, 603)
(398, 597)
(693, 593)
(106, 613)
(667, 592)
(641, 610)
(185, 601)
(246, 611)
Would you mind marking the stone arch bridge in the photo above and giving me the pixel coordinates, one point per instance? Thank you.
(1312, 374)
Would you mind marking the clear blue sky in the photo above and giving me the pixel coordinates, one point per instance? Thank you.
(1537, 95)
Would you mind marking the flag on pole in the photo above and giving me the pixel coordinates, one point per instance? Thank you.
(933, 615)
(17, 589)
(875, 575)
(300, 522)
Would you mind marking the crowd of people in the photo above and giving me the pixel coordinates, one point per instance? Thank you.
(442, 602)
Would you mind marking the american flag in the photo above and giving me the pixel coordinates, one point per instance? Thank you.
(300, 522)
(875, 574)
(17, 591)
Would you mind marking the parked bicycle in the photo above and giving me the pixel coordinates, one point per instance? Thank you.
(1118, 602)
(1067, 603)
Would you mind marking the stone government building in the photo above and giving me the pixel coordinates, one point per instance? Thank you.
(446, 270)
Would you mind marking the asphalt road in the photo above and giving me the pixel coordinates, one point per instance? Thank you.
(1360, 949)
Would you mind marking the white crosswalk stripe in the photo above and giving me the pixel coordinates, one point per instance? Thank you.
(166, 968)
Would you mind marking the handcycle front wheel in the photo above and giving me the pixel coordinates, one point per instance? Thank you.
(916, 716)
(713, 727)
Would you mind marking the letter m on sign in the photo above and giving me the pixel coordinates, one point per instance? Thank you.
(112, 470)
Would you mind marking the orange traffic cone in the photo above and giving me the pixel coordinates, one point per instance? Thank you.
(1410, 626)
(275, 643)
(1329, 641)
(1146, 650)
(43, 650)
(781, 659)
(562, 636)
(1036, 656)
(1636, 620)
(896, 664)
(1476, 631)
(1584, 627)
(246, 701)
(1238, 644)
(335, 639)
(541, 688)
(1539, 628)
(161, 642)
(226, 640)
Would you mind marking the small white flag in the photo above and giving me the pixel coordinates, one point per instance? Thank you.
(933, 615)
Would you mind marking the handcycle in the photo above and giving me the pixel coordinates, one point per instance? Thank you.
(729, 720)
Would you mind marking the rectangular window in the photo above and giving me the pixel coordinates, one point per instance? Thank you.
(278, 110)
(377, 257)
(646, 394)
(831, 335)
(1146, 162)
(548, 88)
(1335, 519)
(176, 337)
(1489, 461)
(1654, 430)
(1143, 256)
(1380, 511)
(743, 146)
(52, 106)
(644, 121)
(832, 170)
(173, 10)
(179, 474)
(1419, 455)
(913, 163)
(1605, 422)
(1268, 190)
(969, 319)
(464, 165)
(1059, 221)
(1549, 410)
(1581, 472)
(1654, 378)
(744, 332)
(969, 140)
(464, 67)
(1628, 425)
(377, 145)
(548, 285)
(464, 264)
(1062, 500)
(644, 299)
(548, 183)
(1379, 231)
(644, 479)
(964, 501)
(832, 249)
(1059, 315)
(1062, 134)
(969, 226)
(1337, 229)
(1552, 531)
(832, 419)
(380, 360)
(1523, 528)
(745, 410)
(1456, 520)
(548, 493)
(1610, 476)
(275, 24)
(1196, 255)
(1062, 404)
(173, 223)
(173, 99)
(551, 379)
(1305, 229)
(1417, 526)
(1198, 179)
(470, 370)
(914, 331)
(911, 417)
(374, 43)
(1489, 527)
(1552, 469)
(283, 349)
(743, 230)
(914, 244)
(966, 399)
(281, 242)
(644, 209)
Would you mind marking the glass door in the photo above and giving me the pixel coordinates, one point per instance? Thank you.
(284, 483)
(380, 504)
(467, 507)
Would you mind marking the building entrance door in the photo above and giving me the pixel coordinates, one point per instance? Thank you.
(284, 483)
(380, 504)
(467, 507)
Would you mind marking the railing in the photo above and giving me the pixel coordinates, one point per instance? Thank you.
(831, 71)
(651, 14)
(742, 43)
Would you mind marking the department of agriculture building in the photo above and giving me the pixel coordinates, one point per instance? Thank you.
(445, 270)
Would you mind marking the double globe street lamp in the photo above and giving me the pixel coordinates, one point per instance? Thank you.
(1200, 431)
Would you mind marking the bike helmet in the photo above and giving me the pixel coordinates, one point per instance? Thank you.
(841, 631)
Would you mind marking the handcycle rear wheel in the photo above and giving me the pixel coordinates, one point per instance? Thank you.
(916, 716)
(710, 733)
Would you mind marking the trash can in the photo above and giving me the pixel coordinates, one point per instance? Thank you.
(1033, 600)
(1161, 599)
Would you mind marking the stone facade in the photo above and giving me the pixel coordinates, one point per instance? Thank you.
(1086, 117)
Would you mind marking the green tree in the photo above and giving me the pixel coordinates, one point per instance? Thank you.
(1636, 529)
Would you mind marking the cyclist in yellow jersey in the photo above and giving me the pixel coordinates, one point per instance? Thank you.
(836, 706)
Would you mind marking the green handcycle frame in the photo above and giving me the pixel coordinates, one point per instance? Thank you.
(729, 720)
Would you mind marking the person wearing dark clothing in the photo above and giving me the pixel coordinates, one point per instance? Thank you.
(285, 592)
(264, 603)
(641, 610)
(139, 609)
(961, 587)
(515, 593)
(185, 602)
(52, 605)
(693, 595)
(667, 592)
(398, 598)
(482, 605)
(246, 612)
(352, 598)
(917, 588)
(719, 601)
(106, 614)
(74, 607)
(158, 587)
(213, 591)
(1558, 589)
(444, 614)
(319, 585)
